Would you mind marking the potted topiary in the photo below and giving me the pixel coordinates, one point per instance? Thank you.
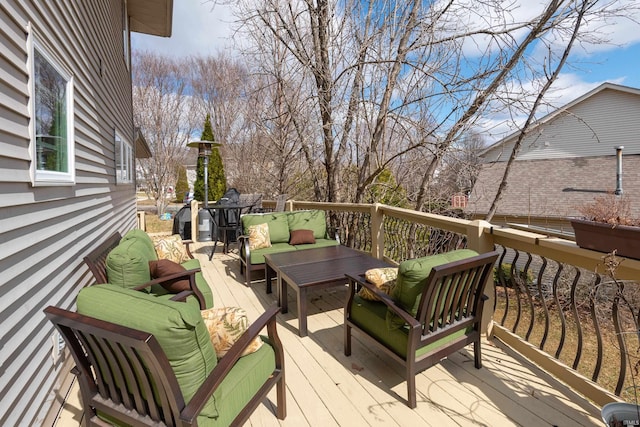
(608, 225)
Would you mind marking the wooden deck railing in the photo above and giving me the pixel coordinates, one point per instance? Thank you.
(551, 301)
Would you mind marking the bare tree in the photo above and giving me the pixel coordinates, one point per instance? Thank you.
(165, 114)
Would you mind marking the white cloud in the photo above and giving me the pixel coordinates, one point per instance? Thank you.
(199, 28)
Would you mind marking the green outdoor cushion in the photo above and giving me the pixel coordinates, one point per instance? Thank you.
(257, 255)
(177, 326)
(412, 276)
(314, 220)
(143, 243)
(277, 221)
(127, 264)
(242, 383)
(371, 317)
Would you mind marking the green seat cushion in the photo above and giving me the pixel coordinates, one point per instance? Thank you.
(412, 277)
(127, 264)
(277, 221)
(257, 255)
(201, 283)
(177, 326)
(320, 243)
(371, 316)
(241, 384)
(314, 220)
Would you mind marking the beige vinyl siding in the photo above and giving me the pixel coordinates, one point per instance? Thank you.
(592, 127)
(46, 231)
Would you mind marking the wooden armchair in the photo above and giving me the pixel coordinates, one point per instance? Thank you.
(434, 310)
(131, 377)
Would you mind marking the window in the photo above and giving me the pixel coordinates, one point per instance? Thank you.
(52, 120)
(124, 160)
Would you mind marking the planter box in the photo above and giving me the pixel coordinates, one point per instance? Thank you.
(602, 237)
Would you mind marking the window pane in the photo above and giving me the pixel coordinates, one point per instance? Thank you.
(51, 116)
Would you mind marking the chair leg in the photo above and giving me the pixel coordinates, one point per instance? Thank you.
(411, 389)
(477, 353)
(281, 396)
(247, 275)
(347, 340)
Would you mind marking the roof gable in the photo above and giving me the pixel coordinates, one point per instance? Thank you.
(591, 125)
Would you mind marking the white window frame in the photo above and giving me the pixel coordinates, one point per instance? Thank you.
(124, 160)
(41, 176)
(126, 38)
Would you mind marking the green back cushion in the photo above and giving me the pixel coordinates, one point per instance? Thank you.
(177, 326)
(128, 263)
(308, 220)
(412, 277)
(277, 221)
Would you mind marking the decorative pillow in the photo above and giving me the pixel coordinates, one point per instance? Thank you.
(225, 326)
(383, 278)
(165, 267)
(171, 248)
(301, 237)
(259, 236)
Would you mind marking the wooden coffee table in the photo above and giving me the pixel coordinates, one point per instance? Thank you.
(319, 268)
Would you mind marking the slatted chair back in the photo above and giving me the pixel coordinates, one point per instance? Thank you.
(452, 297)
(123, 372)
(96, 260)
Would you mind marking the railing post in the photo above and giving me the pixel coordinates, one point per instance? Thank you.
(482, 242)
(377, 231)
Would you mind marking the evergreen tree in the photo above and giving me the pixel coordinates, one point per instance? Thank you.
(217, 181)
(182, 184)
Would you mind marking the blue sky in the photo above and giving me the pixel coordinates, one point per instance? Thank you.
(199, 28)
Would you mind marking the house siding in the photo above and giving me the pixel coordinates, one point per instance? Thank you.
(46, 231)
(593, 127)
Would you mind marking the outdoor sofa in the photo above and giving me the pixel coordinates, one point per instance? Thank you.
(287, 231)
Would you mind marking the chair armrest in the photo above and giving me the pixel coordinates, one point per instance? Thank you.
(186, 244)
(386, 299)
(182, 296)
(224, 366)
(243, 248)
(333, 233)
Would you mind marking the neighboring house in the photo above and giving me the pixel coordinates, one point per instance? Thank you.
(567, 158)
(67, 148)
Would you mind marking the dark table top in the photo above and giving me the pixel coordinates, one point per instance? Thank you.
(322, 265)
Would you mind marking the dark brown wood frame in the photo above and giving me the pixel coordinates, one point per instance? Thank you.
(133, 364)
(460, 307)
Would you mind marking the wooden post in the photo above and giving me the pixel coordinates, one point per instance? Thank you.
(377, 231)
(481, 242)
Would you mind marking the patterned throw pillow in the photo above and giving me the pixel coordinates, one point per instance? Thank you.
(383, 278)
(171, 248)
(259, 236)
(226, 325)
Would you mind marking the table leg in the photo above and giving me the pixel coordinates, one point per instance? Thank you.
(268, 275)
(302, 312)
(282, 295)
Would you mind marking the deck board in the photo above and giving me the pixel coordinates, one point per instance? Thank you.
(324, 387)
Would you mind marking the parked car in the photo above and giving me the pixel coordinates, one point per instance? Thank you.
(188, 197)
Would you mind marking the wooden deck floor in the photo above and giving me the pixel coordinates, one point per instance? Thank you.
(325, 388)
